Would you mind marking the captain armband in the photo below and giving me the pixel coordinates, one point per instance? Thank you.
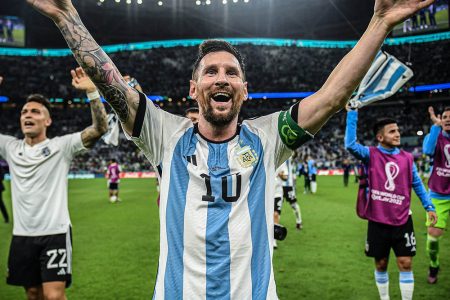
(292, 135)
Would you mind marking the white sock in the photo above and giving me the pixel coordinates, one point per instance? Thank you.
(406, 285)
(382, 281)
(297, 213)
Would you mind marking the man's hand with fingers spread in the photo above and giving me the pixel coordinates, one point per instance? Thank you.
(81, 81)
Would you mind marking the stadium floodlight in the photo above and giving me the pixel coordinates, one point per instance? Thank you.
(160, 3)
(117, 1)
(420, 133)
(224, 1)
(102, 0)
(235, 1)
(139, 1)
(208, 2)
(246, 1)
(128, 1)
(198, 2)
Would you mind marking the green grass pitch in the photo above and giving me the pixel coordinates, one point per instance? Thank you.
(115, 246)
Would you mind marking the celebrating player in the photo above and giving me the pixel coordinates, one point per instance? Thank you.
(41, 253)
(437, 145)
(216, 189)
(385, 202)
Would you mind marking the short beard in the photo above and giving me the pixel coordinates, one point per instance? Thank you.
(221, 121)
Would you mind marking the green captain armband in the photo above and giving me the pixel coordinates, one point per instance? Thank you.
(292, 135)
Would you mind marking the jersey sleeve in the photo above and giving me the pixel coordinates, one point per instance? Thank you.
(430, 141)
(4, 142)
(357, 150)
(154, 128)
(420, 190)
(71, 144)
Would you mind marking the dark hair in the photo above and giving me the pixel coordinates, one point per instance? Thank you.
(39, 99)
(447, 108)
(380, 125)
(210, 46)
(191, 110)
(113, 160)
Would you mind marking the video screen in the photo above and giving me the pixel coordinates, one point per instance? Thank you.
(12, 31)
(431, 19)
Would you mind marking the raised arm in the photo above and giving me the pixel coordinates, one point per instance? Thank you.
(357, 150)
(93, 133)
(315, 110)
(94, 61)
(430, 141)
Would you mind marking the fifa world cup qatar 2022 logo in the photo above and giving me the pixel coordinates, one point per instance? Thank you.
(447, 155)
(392, 170)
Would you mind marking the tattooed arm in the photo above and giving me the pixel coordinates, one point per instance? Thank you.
(94, 61)
(99, 126)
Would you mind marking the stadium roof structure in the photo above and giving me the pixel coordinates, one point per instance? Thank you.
(116, 21)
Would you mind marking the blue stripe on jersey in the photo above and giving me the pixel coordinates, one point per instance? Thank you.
(261, 266)
(217, 235)
(176, 203)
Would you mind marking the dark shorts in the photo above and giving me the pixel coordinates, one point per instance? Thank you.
(381, 238)
(278, 203)
(312, 177)
(113, 186)
(37, 259)
(289, 194)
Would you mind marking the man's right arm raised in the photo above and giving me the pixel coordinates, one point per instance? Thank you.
(94, 61)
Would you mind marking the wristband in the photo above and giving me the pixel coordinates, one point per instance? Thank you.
(93, 95)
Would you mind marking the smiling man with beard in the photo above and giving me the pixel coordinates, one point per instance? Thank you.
(216, 212)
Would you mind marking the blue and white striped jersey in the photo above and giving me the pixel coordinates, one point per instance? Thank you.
(216, 206)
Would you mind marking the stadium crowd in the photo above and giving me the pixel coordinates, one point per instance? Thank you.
(270, 69)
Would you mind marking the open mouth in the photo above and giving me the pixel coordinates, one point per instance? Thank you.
(28, 124)
(221, 97)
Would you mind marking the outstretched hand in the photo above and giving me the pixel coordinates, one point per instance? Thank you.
(54, 9)
(81, 81)
(435, 119)
(393, 12)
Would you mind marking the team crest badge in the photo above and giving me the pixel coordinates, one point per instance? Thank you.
(246, 156)
(46, 151)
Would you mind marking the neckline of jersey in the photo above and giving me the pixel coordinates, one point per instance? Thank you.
(238, 130)
(35, 145)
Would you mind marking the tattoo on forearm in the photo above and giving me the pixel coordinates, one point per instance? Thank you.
(99, 126)
(99, 118)
(97, 65)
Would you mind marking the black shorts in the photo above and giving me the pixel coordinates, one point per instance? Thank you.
(37, 259)
(289, 194)
(381, 238)
(312, 177)
(113, 186)
(278, 203)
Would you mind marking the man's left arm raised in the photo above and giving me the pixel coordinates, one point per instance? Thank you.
(315, 110)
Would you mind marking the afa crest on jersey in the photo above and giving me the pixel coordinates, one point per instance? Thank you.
(246, 156)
